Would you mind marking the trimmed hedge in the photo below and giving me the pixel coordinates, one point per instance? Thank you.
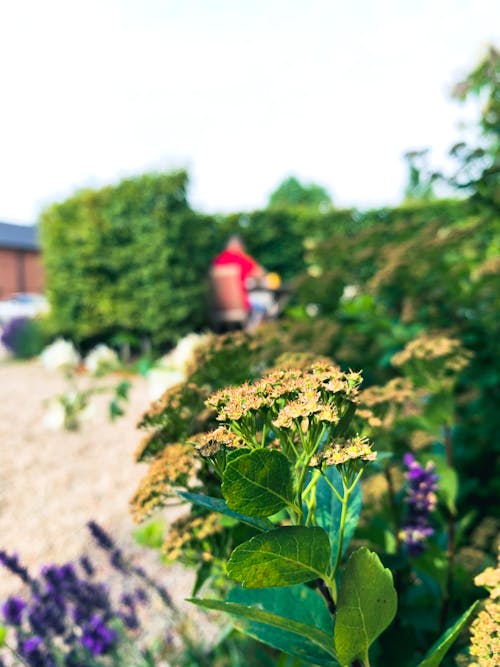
(130, 258)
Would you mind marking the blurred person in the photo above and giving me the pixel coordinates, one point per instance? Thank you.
(251, 275)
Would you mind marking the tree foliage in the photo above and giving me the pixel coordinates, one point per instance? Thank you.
(292, 193)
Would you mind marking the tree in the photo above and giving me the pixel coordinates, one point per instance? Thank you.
(479, 166)
(420, 178)
(292, 193)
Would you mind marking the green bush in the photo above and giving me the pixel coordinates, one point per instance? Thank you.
(128, 259)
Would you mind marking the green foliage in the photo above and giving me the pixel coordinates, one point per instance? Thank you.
(282, 557)
(437, 652)
(130, 258)
(366, 605)
(329, 509)
(316, 636)
(298, 603)
(219, 505)
(259, 483)
(291, 193)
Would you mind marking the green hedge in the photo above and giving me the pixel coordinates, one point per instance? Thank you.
(130, 258)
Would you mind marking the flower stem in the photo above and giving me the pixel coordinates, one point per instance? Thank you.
(345, 501)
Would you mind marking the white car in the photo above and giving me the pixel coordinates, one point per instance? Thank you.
(22, 304)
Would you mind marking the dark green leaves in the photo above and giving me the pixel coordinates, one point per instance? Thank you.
(298, 603)
(314, 635)
(219, 505)
(329, 508)
(440, 648)
(366, 605)
(259, 483)
(282, 557)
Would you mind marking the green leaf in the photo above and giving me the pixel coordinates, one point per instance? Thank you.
(259, 483)
(329, 508)
(298, 603)
(122, 389)
(151, 534)
(219, 505)
(448, 485)
(282, 557)
(366, 605)
(3, 635)
(315, 635)
(438, 650)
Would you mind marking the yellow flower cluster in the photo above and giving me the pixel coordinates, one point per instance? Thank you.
(485, 630)
(430, 347)
(343, 450)
(304, 392)
(171, 467)
(208, 444)
(188, 529)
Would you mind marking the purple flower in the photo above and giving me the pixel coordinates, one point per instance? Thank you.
(97, 637)
(100, 536)
(34, 653)
(12, 563)
(12, 610)
(420, 501)
(87, 566)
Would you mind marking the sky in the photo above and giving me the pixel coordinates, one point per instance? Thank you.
(242, 93)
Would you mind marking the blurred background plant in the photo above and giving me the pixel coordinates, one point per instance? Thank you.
(73, 406)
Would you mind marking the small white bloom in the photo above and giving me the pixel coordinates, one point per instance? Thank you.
(60, 355)
(179, 357)
(54, 417)
(350, 291)
(312, 309)
(100, 359)
(161, 379)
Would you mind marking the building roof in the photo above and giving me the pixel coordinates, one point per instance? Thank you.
(19, 237)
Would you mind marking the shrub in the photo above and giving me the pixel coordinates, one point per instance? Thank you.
(24, 337)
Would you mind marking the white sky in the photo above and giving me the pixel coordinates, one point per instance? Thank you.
(241, 92)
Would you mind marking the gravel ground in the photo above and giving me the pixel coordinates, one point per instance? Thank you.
(53, 482)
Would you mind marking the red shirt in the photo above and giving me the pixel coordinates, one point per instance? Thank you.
(246, 264)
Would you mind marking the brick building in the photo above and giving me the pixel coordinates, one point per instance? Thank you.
(20, 260)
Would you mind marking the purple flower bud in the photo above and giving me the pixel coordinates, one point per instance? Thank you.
(100, 536)
(97, 637)
(12, 610)
(421, 501)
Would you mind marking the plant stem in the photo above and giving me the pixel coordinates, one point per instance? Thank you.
(325, 592)
(345, 501)
(450, 547)
(392, 504)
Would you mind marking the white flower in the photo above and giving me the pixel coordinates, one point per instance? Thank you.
(100, 359)
(182, 353)
(350, 291)
(61, 355)
(160, 379)
(54, 417)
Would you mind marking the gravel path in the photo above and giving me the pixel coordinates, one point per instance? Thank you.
(53, 482)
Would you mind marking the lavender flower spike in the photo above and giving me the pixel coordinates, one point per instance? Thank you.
(12, 610)
(421, 501)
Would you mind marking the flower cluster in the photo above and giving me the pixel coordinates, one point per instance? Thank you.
(61, 355)
(101, 359)
(289, 399)
(430, 350)
(70, 617)
(485, 630)
(171, 467)
(345, 450)
(421, 501)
